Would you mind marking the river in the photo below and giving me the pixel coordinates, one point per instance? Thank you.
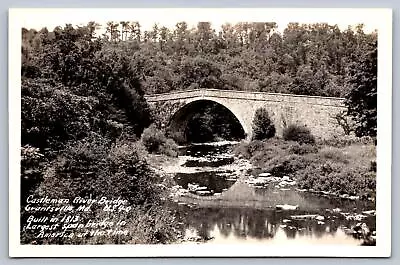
(220, 202)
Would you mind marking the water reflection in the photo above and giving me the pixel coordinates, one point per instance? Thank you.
(247, 214)
(264, 226)
(201, 157)
(213, 182)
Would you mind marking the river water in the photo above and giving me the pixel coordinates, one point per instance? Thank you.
(220, 202)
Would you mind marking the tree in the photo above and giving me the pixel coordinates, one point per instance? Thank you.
(344, 122)
(263, 127)
(304, 82)
(361, 101)
(79, 73)
(204, 34)
(52, 115)
(124, 29)
(200, 71)
(134, 28)
(112, 29)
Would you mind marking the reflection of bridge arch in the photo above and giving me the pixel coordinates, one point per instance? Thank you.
(179, 120)
(238, 195)
(314, 112)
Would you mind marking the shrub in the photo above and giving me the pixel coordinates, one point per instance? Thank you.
(301, 149)
(263, 127)
(334, 154)
(94, 167)
(32, 166)
(340, 180)
(153, 138)
(261, 152)
(300, 134)
(269, 151)
(285, 165)
(255, 146)
(176, 136)
(247, 149)
(169, 148)
(156, 142)
(347, 140)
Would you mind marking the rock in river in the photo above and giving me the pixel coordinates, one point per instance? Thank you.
(370, 212)
(319, 218)
(203, 192)
(308, 216)
(353, 216)
(286, 178)
(286, 207)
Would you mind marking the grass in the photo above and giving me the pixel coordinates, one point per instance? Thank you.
(335, 168)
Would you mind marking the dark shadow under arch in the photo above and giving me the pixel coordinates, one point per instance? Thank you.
(204, 121)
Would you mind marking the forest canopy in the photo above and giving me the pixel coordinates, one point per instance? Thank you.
(309, 59)
(125, 62)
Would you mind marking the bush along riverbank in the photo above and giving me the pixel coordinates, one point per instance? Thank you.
(344, 167)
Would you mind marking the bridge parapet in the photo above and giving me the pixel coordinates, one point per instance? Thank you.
(246, 95)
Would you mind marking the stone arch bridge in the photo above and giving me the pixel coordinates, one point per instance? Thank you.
(317, 113)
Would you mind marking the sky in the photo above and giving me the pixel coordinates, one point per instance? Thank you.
(147, 17)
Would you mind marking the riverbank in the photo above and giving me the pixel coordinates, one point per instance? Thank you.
(347, 170)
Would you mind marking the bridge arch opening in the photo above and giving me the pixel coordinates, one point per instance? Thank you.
(204, 121)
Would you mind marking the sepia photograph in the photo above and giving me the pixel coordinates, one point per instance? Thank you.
(200, 132)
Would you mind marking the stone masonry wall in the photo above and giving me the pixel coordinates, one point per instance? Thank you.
(317, 113)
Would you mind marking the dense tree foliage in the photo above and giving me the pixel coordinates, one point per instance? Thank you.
(82, 107)
(362, 98)
(263, 126)
(311, 59)
(73, 83)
